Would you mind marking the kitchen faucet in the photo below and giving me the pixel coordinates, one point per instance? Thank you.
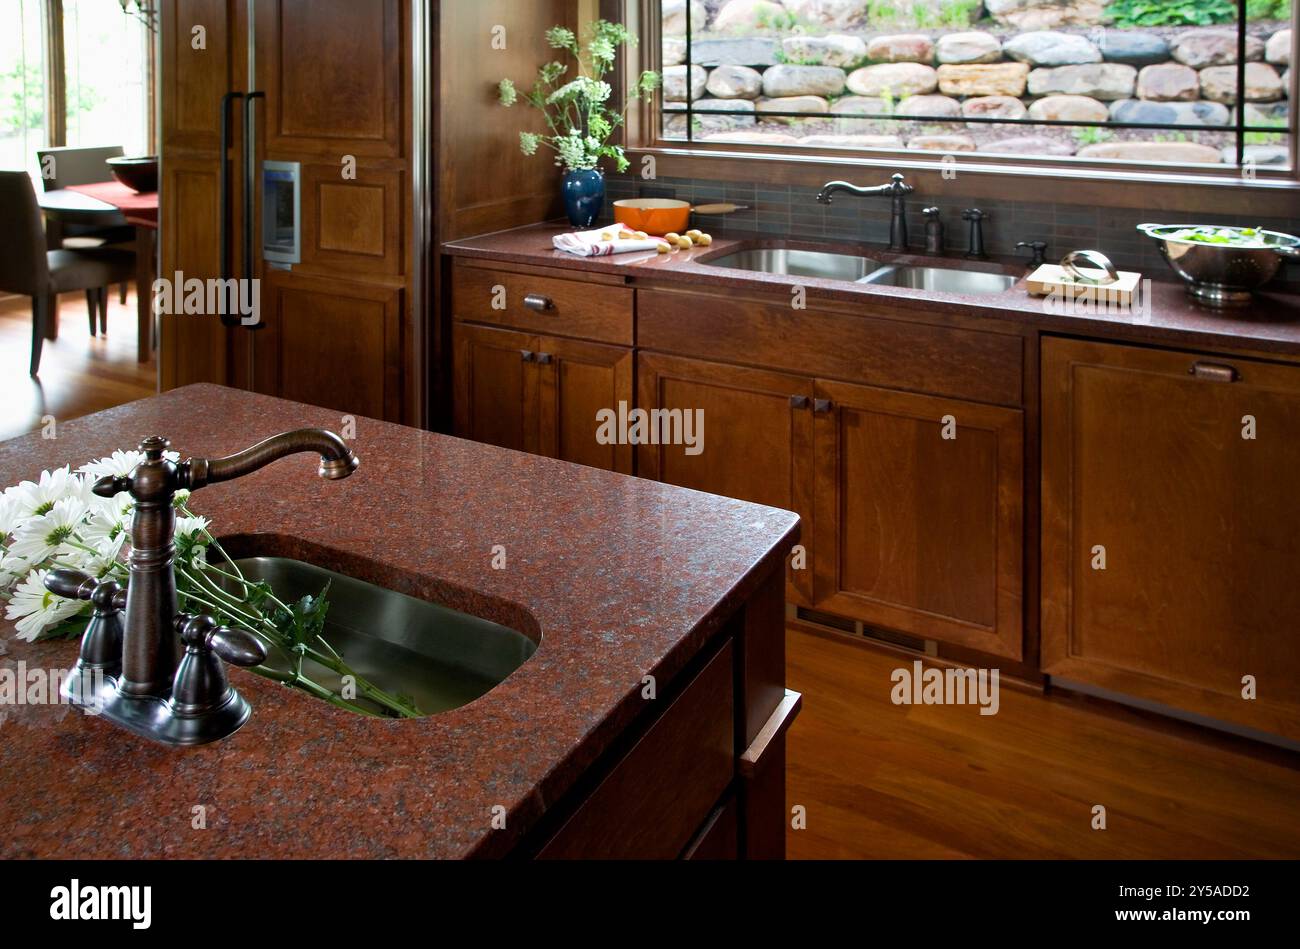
(898, 192)
(159, 673)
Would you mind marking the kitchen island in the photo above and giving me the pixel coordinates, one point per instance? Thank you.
(622, 582)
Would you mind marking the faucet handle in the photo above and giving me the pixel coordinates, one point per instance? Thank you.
(1038, 249)
(973, 214)
(238, 647)
(101, 643)
(111, 486)
(201, 689)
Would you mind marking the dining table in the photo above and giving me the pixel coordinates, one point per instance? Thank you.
(108, 204)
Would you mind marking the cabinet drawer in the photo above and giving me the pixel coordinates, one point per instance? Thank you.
(855, 345)
(540, 304)
(655, 800)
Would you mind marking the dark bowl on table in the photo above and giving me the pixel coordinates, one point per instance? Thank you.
(138, 174)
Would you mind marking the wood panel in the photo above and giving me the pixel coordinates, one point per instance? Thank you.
(757, 445)
(720, 838)
(1199, 525)
(916, 532)
(496, 399)
(331, 343)
(333, 76)
(355, 227)
(577, 380)
(654, 801)
(855, 344)
(196, 79)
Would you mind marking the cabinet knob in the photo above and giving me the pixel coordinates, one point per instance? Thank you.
(528, 355)
(822, 406)
(798, 401)
(538, 302)
(544, 358)
(1213, 372)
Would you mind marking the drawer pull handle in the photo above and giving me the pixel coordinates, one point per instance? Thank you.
(798, 401)
(544, 358)
(527, 354)
(535, 301)
(822, 406)
(1214, 372)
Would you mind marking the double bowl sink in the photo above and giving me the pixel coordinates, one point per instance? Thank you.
(826, 265)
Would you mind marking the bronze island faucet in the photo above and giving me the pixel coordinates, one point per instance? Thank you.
(898, 192)
(159, 674)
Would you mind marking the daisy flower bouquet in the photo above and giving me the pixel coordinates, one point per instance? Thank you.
(57, 522)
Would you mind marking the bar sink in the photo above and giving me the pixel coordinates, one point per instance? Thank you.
(438, 657)
(939, 279)
(799, 263)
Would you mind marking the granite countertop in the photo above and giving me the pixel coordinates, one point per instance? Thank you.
(620, 578)
(1270, 324)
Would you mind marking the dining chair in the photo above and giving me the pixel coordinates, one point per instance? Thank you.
(29, 268)
(76, 165)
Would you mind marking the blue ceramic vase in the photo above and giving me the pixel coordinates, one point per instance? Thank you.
(584, 196)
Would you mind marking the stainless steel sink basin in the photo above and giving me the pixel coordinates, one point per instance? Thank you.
(799, 263)
(940, 279)
(438, 657)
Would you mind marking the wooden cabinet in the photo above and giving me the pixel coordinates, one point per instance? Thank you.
(1171, 529)
(541, 394)
(756, 438)
(918, 519)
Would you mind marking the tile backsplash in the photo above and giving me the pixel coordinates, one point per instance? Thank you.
(792, 211)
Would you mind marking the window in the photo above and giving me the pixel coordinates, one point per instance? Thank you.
(22, 87)
(1151, 83)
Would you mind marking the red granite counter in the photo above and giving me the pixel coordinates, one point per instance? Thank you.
(1270, 324)
(619, 577)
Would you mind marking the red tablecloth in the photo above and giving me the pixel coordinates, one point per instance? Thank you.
(140, 209)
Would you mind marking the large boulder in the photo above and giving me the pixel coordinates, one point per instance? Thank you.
(930, 106)
(1168, 82)
(901, 48)
(853, 141)
(745, 16)
(1278, 48)
(1068, 109)
(748, 51)
(863, 105)
(740, 115)
(804, 105)
(1136, 49)
(1201, 48)
(944, 142)
(993, 107)
(674, 17)
(1099, 80)
(1046, 14)
(674, 51)
(746, 137)
(735, 82)
(993, 79)
(1200, 112)
(969, 47)
(781, 81)
(1264, 113)
(1027, 145)
(1263, 84)
(833, 50)
(1050, 48)
(830, 14)
(1259, 155)
(1188, 152)
(893, 79)
(675, 83)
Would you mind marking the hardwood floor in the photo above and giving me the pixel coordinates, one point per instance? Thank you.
(79, 375)
(893, 781)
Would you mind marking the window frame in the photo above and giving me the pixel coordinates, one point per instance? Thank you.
(1116, 183)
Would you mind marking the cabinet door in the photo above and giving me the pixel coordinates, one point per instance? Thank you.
(1145, 463)
(496, 387)
(919, 514)
(577, 380)
(756, 442)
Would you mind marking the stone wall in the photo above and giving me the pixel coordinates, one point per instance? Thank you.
(1039, 59)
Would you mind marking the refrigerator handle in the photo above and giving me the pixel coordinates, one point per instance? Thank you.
(227, 101)
(250, 184)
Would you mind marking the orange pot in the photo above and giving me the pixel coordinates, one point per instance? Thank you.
(661, 216)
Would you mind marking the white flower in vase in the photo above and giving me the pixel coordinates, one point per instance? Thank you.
(37, 609)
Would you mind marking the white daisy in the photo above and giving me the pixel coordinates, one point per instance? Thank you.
(120, 464)
(9, 519)
(99, 563)
(38, 497)
(37, 609)
(109, 519)
(192, 539)
(47, 535)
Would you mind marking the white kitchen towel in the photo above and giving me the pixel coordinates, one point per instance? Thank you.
(615, 239)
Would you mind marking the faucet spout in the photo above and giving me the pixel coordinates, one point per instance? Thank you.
(337, 461)
(896, 188)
